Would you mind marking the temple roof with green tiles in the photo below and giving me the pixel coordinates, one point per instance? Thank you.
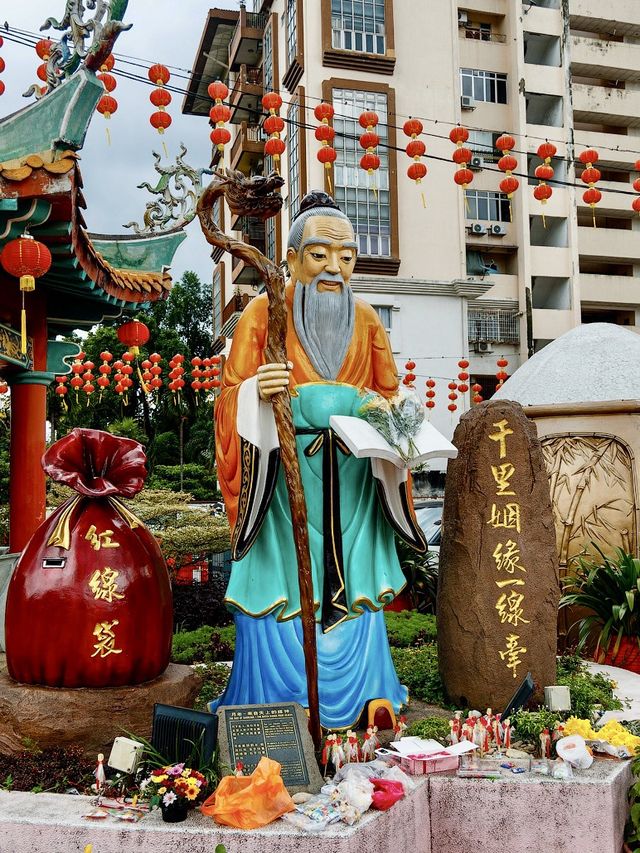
(92, 278)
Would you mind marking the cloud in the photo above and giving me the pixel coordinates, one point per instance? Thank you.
(163, 31)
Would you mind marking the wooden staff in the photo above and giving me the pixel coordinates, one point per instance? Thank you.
(259, 197)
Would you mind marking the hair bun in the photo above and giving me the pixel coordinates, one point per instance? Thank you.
(316, 198)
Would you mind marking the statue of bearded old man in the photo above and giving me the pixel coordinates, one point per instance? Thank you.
(337, 350)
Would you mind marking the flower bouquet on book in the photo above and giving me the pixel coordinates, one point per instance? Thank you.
(393, 429)
(175, 789)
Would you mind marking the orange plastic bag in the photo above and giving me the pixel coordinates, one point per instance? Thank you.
(249, 802)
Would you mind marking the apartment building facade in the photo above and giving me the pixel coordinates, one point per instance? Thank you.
(468, 273)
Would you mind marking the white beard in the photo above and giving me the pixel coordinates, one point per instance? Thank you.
(324, 322)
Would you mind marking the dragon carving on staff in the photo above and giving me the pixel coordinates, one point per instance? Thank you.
(260, 197)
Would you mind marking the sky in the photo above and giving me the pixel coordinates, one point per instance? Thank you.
(164, 31)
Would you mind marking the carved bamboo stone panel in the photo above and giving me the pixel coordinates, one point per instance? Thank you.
(498, 587)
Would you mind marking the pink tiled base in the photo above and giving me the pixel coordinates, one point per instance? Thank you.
(532, 814)
(53, 823)
(443, 815)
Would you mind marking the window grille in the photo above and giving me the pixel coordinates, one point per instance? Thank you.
(497, 326)
(292, 30)
(489, 86)
(293, 155)
(358, 25)
(369, 212)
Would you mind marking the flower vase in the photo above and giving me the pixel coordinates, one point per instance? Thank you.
(174, 812)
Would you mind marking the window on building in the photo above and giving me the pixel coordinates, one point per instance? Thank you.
(293, 155)
(385, 314)
(292, 30)
(369, 211)
(358, 25)
(267, 60)
(486, 86)
(217, 303)
(487, 206)
(483, 143)
(196, 576)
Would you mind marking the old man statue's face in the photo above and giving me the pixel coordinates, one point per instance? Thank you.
(327, 254)
(323, 304)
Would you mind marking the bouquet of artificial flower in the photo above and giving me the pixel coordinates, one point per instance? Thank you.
(169, 785)
(397, 419)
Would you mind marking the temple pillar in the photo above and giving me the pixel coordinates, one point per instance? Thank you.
(27, 481)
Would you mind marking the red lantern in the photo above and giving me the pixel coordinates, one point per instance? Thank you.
(108, 64)
(459, 135)
(272, 102)
(160, 121)
(502, 362)
(323, 133)
(430, 383)
(544, 172)
(160, 98)
(370, 162)
(368, 119)
(589, 157)
(430, 404)
(505, 143)
(218, 91)
(591, 176)
(41, 70)
(461, 156)
(327, 156)
(463, 177)
(410, 365)
(635, 204)
(26, 259)
(107, 106)
(159, 75)
(542, 193)
(324, 112)
(417, 171)
(2, 88)
(133, 335)
(463, 364)
(546, 151)
(220, 137)
(43, 49)
(509, 185)
(416, 148)
(108, 81)
(477, 398)
(412, 128)
(274, 147)
(273, 124)
(452, 407)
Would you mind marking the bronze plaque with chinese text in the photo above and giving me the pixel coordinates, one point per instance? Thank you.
(498, 585)
(278, 731)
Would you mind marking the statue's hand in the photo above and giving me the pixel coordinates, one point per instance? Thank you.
(272, 379)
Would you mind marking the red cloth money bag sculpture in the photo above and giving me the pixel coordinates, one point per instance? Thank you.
(89, 603)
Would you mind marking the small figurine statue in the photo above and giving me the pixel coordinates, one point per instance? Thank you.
(545, 744)
(369, 746)
(457, 724)
(558, 732)
(497, 731)
(453, 735)
(326, 750)
(479, 732)
(487, 718)
(351, 748)
(100, 775)
(337, 753)
(506, 737)
(374, 737)
(467, 730)
(239, 768)
(400, 728)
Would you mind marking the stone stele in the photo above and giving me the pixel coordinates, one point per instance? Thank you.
(86, 717)
(498, 587)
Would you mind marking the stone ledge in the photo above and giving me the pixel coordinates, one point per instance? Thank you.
(443, 815)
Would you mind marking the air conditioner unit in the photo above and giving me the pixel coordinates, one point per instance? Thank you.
(482, 347)
(477, 228)
(463, 18)
(467, 102)
(498, 231)
(476, 162)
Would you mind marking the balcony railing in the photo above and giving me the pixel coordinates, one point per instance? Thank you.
(497, 327)
(236, 305)
(483, 35)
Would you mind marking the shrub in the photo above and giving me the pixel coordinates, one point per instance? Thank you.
(54, 769)
(528, 725)
(216, 676)
(409, 628)
(588, 689)
(196, 479)
(204, 645)
(198, 604)
(418, 669)
(430, 727)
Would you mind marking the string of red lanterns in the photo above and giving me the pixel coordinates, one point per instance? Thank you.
(107, 105)
(43, 49)
(452, 395)
(416, 149)
(219, 114)
(369, 140)
(590, 176)
(409, 377)
(160, 98)
(463, 176)
(477, 397)
(463, 376)
(325, 134)
(501, 375)
(2, 67)
(273, 125)
(430, 393)
(507, 164)
(635, 204)
(544, 173)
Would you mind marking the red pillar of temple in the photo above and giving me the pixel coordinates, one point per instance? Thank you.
(27, 485)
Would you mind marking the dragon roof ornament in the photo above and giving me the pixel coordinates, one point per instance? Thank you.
(178, 191)
(71, 50)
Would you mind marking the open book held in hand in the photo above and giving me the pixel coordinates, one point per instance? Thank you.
(364, 440)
